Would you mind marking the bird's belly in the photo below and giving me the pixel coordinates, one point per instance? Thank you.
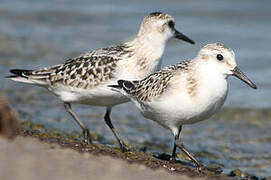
(100, 96)
(177, 111)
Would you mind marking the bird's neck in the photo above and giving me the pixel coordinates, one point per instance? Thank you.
(149, 44)
(147, 52)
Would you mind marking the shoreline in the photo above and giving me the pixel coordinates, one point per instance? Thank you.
(36, 144)
(66, 149)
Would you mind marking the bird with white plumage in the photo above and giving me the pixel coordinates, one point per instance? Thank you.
(185, 93)
(84, 79)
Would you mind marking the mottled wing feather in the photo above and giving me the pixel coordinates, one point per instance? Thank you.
(110, 51)
(86, 71)
(155, 84)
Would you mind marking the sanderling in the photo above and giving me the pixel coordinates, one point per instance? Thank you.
(187, 92)
(84, 79)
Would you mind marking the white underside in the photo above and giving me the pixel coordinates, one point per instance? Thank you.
(176, 107)
(99, 96)
(176, 111)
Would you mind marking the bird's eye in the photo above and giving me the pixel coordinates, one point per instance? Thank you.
(171, 24)
(219, 57)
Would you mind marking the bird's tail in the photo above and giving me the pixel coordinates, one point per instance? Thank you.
(29, 76)
(123, 86)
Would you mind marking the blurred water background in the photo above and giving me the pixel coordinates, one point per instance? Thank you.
(42, 33)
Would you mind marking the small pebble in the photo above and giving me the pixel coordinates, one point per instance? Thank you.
(236, 172)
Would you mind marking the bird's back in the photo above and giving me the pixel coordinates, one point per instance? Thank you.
(85, 71)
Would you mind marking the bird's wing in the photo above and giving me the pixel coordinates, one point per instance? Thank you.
(85, 71)
(152, 86)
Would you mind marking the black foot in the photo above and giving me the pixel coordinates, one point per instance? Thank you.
(124, 147)
(163, 157)
(87, 138)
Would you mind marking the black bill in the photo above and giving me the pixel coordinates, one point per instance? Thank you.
(239, 74)
(179, 35)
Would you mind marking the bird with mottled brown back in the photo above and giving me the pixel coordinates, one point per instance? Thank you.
(84, 79)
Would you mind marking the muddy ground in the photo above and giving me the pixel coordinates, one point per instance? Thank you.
(51, 155)
(40, 153)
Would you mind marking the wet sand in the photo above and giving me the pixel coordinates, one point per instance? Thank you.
(37, 155)
(38, 152)
(29, 159)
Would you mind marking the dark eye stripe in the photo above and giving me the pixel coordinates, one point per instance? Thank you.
(171, 24)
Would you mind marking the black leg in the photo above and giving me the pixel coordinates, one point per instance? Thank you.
(173, 156)
(86, 134)
(180, 145)
(107, 119)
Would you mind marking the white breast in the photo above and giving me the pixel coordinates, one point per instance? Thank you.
(177, 106)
